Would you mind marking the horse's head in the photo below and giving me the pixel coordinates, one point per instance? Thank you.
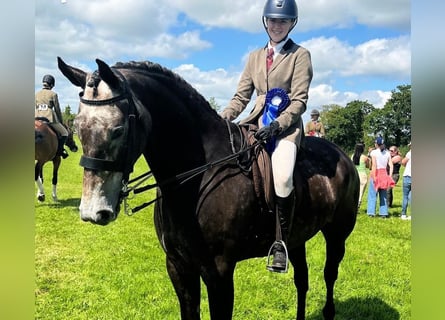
(70, 140)
(105, 126)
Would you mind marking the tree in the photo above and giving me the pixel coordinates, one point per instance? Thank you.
(213, 104)
(393, 122)
(361, 121)
(344, 126)
(332, 122)
(68, 117)
(398, 109)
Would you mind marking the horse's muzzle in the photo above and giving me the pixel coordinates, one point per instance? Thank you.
(102, 217)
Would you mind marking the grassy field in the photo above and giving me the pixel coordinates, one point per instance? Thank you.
(91, 272)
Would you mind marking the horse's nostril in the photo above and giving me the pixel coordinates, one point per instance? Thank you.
(103, 217)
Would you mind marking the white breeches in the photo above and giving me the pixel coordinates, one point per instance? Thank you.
(283, 163)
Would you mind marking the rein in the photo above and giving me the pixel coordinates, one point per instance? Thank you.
(182, 177)
(124, 165)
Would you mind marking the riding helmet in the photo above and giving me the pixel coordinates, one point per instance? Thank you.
(49, 79)
(281, 9)
(315, 112)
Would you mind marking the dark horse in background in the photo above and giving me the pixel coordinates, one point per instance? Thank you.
(213, 218)
(46, 150)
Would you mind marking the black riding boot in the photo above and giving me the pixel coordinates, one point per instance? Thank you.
(284, 207)
(61, 150)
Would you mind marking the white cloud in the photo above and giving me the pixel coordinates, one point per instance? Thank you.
(316, 14)
(83, 30)
(313, 14)
(219, 83)
(382, 57)
(224, 14)
(324, 94)
(378, 57)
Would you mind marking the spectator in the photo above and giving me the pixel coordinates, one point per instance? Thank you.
(396, 159)
(379, 180)
(314, 127)
(361, 162)
(406, 162)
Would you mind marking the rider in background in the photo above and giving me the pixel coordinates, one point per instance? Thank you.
(280, 65)
(314, 127)
(47, 106)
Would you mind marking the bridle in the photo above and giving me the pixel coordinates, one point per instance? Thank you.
(124, 163)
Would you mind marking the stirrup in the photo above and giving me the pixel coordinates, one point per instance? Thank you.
(270, 265)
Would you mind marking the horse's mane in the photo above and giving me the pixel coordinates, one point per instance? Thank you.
(188, 93)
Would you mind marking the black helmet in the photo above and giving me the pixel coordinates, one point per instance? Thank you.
(281, 9)
(315, 112)
(49, 79)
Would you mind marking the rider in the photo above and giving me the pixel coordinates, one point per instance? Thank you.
(291, 73)
(314, 127)
(47, 106)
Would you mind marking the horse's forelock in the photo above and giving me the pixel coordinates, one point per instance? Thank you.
(93, 80)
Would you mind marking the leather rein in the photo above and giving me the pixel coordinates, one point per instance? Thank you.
(125, 166)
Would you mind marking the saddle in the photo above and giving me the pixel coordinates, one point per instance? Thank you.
(261, 167)
(46, 120)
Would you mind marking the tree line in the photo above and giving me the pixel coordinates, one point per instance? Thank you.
(360, 121)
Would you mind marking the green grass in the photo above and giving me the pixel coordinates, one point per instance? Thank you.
(91, 272)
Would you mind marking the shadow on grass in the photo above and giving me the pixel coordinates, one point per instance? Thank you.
(363, 309)
(71, 202)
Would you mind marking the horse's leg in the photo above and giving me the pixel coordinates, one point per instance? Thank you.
(335, 250)
(220, 290)
(39, 181)
(187, 285)
(297, 257)
(56, 165)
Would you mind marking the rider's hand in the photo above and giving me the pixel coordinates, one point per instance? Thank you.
(268, 131)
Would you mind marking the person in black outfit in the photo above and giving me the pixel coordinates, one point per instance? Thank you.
(396, 159)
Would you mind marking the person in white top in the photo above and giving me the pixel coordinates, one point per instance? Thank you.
(379, 180)
(406, 184)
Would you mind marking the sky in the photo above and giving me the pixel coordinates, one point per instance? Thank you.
(361, 50)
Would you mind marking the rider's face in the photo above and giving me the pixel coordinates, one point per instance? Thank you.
(278, 28)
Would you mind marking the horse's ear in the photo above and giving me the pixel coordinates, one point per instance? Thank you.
(76, 76)
(107, 75)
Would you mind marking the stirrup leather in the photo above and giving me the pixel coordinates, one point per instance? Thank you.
(270, 266)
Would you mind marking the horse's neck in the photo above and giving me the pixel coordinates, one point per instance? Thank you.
(199, 145)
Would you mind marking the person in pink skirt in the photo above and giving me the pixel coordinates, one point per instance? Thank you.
(379, 180)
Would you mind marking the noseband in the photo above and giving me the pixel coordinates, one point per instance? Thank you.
(122, 164)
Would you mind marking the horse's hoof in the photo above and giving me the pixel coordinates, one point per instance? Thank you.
(41, 197)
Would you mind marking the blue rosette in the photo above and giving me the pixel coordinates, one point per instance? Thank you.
(276, 101)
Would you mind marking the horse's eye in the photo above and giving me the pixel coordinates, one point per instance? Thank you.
(117, 132)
